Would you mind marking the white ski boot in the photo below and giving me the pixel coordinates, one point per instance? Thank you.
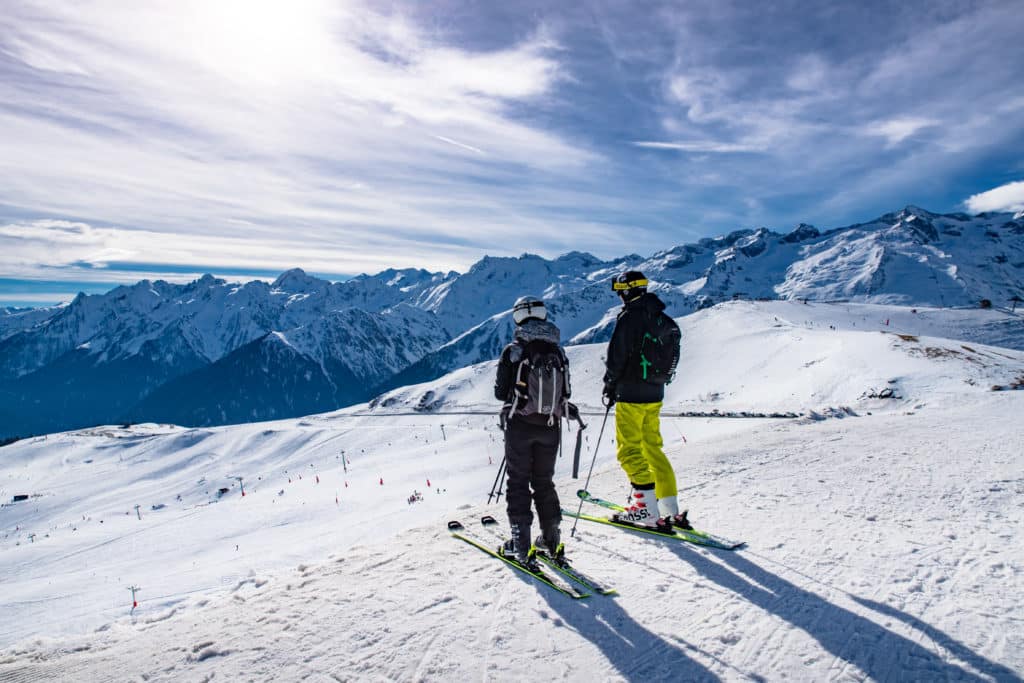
(643, 510)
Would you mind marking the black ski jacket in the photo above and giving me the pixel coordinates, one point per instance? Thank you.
(622, 364)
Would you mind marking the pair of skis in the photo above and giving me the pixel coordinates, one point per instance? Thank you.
(694, 536)
(564, 577)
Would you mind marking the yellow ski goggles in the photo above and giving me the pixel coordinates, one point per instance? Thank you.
(622, 286)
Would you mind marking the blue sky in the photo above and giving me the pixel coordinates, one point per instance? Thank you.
(165, 139)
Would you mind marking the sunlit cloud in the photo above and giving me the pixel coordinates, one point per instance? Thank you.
(316, 117)
(1009, 197)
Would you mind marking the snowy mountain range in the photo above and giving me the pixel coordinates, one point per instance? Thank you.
(213, 352)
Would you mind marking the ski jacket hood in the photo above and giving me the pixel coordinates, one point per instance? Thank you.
(649, 302)
(538, 330)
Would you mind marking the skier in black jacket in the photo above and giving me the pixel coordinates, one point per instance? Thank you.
(532, 427)
(637, 403)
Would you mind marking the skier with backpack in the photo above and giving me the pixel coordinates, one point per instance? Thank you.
(533, 381)
(641, 359)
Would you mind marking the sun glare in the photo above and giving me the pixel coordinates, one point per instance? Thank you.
(262, 42)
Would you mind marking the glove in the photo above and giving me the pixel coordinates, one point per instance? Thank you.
(573, 412)
(609, 395)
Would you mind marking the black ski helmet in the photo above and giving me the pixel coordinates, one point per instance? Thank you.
(630, 285)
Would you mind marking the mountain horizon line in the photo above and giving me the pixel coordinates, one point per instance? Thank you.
(801, 229)
(217, 352)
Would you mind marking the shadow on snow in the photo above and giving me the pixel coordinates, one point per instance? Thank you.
(876, 651)
(635, 652)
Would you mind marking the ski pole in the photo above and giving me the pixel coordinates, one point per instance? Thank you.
(586, 486)
(501, 484)
(497, 485)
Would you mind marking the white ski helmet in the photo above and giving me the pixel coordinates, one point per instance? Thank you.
(527, 307)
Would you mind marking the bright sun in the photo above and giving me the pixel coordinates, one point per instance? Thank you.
(260, 42)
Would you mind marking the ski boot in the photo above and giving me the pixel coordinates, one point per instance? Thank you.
(550, 543)
(519, 548)
(643, 508)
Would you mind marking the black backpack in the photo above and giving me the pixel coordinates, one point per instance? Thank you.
(542, 381)
(659, 350)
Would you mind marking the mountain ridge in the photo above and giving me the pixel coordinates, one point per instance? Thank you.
(378, 331)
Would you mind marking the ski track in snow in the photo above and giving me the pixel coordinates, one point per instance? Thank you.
(882, 546)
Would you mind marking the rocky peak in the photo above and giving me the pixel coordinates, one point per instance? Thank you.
(911, 210)
(296, 281)
(916, 221)
(800, 233)
(580, 258)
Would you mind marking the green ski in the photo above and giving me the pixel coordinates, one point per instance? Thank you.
(458, 531)
(694, 536)
(562, 567)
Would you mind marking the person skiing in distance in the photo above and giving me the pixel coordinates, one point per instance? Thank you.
(533, 382)
(638, 396)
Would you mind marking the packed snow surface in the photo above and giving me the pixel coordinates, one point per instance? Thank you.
(884, 534)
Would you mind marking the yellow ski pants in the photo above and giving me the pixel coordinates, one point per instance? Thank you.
(640, 448)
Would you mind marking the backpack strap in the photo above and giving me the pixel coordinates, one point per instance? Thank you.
(566, 386)
(540, 392)
(525, 362)
(518, 385)
(648, 326)
(508, 408)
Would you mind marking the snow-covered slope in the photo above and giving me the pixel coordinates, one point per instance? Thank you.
(882, 545)
(785, 357)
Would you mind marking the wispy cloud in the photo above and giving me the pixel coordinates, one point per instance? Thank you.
(30, 248)
(317, 117)
(698, 146)
(813, 91)
(810, 73)
(899, 129)
(345, 135)
(33, 299)
(471, 148)
(1009, 197)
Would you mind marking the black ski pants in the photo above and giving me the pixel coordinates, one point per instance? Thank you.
(530, 452)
